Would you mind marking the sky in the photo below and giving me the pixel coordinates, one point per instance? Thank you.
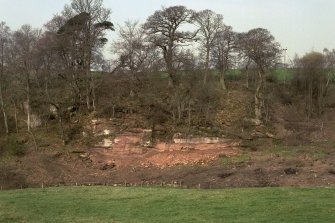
(300, 26)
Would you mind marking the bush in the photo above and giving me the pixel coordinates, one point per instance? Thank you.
(12, 146)
(73, 132)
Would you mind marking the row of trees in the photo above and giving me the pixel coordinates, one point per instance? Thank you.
(314, 73)
(57, 67)
(53, 66)
(64, 54)
(164, 33)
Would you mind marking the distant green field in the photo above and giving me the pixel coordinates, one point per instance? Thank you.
(110, 204)
(283, 74)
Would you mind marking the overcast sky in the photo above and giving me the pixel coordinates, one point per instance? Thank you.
(298, 25)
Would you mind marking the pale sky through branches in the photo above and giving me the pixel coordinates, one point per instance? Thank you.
(298, 25)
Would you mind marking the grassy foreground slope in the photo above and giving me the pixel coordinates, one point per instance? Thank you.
(109, 204)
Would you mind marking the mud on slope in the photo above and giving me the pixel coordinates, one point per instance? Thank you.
(312, 166)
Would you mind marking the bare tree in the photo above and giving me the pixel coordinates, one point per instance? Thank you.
(64, 41)
(48, 60)
(4, 36)
(164, 30)
(24, 47)
(312, 80)
(209, 23)
(259, 46)
(223, 52)
(329, 65)
(133, 50)
(87, 21)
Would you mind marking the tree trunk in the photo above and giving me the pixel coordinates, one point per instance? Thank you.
(46, 87)
(113, 111)
(28, 102)
(75, 88)
(168, 58)
(170, 81)
(93, 95)
(189, 114)
(1, 95)
(172, 74)
(310, 99)
(3, 110)
(258, 106)
(15, 116)
(320, 96)
(88, 103)
(259, 97)
(247, 71)
(179, 111)
(207, 113)
(62, 129)
(89, 82)
(206, 66)
(222, 80)
(153, 133)
(87, 63)
(34, 140)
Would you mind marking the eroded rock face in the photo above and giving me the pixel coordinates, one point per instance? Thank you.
(53, 110)
(179, 138)
(131, 149)
(111, 138)
(107, 132)
(147, 138)
(252, 122)
(35, 121)
(200, 140)
(135, 148)
(106, 143)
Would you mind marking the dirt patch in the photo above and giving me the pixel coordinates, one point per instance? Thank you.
(161, 156)
(128, 162)
(131, 149)
(259, 170)
(188, 157)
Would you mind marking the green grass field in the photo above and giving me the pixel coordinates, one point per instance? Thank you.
(112, 204)
(283, 74)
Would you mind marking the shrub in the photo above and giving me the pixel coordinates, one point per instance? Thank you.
(12, 146)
